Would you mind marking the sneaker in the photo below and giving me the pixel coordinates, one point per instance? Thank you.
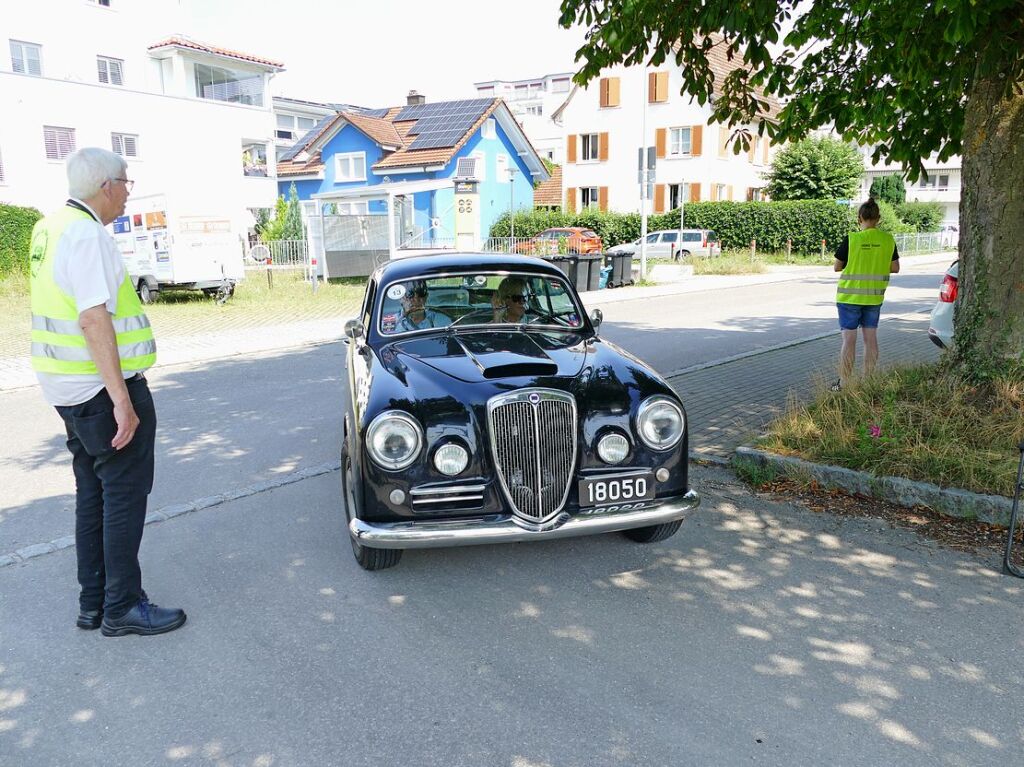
(145, 619)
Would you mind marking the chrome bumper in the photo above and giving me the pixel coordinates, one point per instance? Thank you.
(504, 528)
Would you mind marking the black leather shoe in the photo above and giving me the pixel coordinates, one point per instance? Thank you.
(89, 619)
(145, 619)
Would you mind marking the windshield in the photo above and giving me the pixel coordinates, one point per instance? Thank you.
(478, 298)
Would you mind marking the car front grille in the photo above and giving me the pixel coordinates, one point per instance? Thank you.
(533, 442)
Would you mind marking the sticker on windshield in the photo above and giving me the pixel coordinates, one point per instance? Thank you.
(396, 291)
(389, 322)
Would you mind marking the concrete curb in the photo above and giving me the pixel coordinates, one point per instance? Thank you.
(993, 509)
(176, 510)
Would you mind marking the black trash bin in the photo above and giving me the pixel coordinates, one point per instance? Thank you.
(569, 265)
(622, 269)
(588, 275)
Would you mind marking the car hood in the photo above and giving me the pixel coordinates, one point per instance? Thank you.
(490, 355)
(622, 249)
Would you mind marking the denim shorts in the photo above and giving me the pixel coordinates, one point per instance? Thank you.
(853, 316)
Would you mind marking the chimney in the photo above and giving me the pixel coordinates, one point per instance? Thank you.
(414, 98)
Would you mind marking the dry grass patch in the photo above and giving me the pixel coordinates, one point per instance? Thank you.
(921, 423)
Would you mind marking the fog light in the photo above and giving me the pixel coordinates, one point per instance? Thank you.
(397, 497)
(662, 475)
(613, 448)
(451, 459)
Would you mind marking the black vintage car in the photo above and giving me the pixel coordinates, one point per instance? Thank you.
(485, 408)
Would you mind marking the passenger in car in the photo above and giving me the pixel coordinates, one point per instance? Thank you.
(509, 302)
(415, 314)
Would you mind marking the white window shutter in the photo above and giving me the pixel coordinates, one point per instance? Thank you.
(101, 69)
(130, 146)
(116, 144)
(115, 72)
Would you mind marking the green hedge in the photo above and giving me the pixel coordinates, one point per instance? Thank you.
(15, 232)
(736, 223)
(922, 216)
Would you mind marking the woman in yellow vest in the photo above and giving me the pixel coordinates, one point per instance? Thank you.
(866, 259)
(91, 343)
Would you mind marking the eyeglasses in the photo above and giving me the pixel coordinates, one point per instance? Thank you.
(128, 183)
(418, 292)
(516, 299)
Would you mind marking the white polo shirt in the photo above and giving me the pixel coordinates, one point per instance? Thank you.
(88, 267)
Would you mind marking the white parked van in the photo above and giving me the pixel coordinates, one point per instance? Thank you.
(163, 249)
(674, 244)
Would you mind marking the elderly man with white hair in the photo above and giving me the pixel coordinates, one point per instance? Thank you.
(91, 346)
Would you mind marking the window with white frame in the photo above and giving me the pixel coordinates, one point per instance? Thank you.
(486, 91)
(293, 127)
(104, 3)
(490, 129)
(560, 86)
(721, 192)
(535, 109)
(589, 197)
(590, 148)
(59, 142)
(354, 208)
(110, 70)
(228, 85)
(677, 195)
(254, 158)
(521, 92)
(125, 144)
(349, 166)
(679, 142)
(936, 181)
(26, 58)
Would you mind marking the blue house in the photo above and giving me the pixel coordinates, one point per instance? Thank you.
(409, 179)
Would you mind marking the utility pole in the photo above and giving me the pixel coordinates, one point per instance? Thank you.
(643, 174)
(682, 205)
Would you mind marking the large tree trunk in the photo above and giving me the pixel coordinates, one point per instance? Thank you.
(990, 300)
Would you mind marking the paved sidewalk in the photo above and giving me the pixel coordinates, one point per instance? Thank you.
(729, 403)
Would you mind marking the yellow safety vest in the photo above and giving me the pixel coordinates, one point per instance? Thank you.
(866, 275)
(58, 343)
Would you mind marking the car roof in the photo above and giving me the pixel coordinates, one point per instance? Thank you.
(659, 231)
(415, 267)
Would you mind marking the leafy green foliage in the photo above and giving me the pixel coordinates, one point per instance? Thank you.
(894, 74)
(890, 188)
(922, 216)
(806, 223)
(889, 221)
(819, 168)
(15, 233)
(287, 221)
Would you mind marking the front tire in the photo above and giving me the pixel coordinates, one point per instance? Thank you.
(146, 294)
(368, 559)
(654, 533)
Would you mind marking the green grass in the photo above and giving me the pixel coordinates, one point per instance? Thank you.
(922, 423)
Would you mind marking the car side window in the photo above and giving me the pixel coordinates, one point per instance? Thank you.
(670, 237)
(651, 238)
(367, 314)
(691, 236)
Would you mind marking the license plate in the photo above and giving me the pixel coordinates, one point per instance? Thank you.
(604, 490)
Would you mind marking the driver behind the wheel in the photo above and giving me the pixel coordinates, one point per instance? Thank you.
(509, 302)
(415, 314)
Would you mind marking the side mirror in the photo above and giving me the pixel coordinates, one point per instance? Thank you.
(353, 329)
(596, 318)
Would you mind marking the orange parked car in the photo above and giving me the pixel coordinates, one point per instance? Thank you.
(577, 240)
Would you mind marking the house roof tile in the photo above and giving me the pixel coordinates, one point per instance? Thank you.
(548, 194)
(184, 42)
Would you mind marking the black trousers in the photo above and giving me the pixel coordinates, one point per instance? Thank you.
(111, 491)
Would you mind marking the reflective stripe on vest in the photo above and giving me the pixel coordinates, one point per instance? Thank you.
(58, 343)
(867, 272)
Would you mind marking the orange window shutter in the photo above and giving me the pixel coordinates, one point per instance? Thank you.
(652, 87)
(694, 192)
(662, 83)
(613, 91)
(602, 198)
(750, 193)
(723, 141)
(696, 139)
(604, 92)
(764, 151)
(752, 153)
(602, 147)
(660, 142)
(729, 188)
(570, 199)
(659, 198)
(570, 150)
(714, 192)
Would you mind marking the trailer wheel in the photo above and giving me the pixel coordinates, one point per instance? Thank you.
(147, 294)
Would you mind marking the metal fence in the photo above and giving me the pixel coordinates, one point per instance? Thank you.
(926, 242)
(283, 254)
(513, 245)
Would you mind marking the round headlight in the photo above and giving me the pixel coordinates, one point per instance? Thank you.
(394, 439)
(613, 448)
(451, 459)
(660, 422)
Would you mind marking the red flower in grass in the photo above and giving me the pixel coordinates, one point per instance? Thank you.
(875, 431)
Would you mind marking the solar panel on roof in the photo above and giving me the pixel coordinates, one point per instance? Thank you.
(299, 145)
(374, 112)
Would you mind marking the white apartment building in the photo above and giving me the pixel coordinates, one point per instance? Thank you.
(533, 102)
(194, 121)
(942, 183)
(627, 108)
(294, 118)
